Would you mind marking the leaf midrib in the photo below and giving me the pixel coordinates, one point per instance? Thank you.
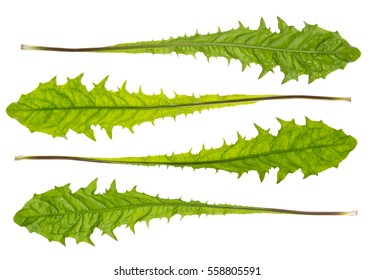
(231, 208)
(198, 44)
(264, 154)
(142, 107)
(139, 161)
(152, 205)
(181, 105)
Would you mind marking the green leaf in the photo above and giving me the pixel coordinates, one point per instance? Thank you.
(54, 109)
(59, 213)
(313, 51)
(313, 148)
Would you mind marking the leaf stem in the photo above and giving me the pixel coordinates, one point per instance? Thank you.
(265, 210)
(273, 97)
(305, 213)
(55, 49)
(21, 157)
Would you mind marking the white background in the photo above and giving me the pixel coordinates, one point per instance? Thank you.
(285, 247)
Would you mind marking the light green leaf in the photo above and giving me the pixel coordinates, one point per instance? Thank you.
(313, 51)
(59, 213)
(54, 109)
(313, 148)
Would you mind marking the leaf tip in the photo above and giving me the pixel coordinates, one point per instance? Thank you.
(77, 78)
(111, 234)
(263, 73)
(91, 188)
(85, 239)
(239, 136)
(282, 122)
(132, 228)
(259, 129)
(109, 132)
(282, 25)
(101, 84)
(308, 121)
(123, 87)
(53, 81)
(262, 24)
(90, 134)
(281, 175)
(261, 175)
(113, 186)
(11, 109)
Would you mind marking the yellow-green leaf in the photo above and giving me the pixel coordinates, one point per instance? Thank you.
(56, 109)
(313, 148)
(314, 51)
(58, 213)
